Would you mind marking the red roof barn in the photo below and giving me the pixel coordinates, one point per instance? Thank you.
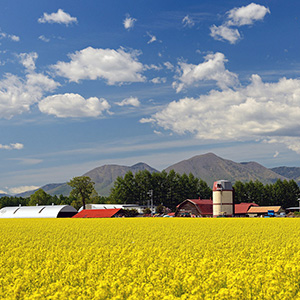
(194, 207)
(204, 208)
(100, 213)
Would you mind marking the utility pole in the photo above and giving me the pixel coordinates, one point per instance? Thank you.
(150, 193)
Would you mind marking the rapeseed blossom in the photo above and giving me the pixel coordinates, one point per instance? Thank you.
(150, 258)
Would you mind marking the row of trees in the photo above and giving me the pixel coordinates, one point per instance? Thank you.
(284, 193)
(172, 188)
(82, 191)
(164, 188)
(168, 189)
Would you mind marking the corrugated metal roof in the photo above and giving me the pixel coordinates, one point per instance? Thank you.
(263, 209)
(40, 211)
(97, 213)
(113, 206)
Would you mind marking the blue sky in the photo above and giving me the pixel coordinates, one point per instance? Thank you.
(88, 83)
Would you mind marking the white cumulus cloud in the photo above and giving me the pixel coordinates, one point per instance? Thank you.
(224, 32)
(22, 189)
(18, 94)
(59, 17)
(262, 111)
(152, 38)
(213, 68)
(28, 60)
(13, 146)
(168, 65)
(247, 15)
(129, 22)
(73, 105)
(187, 21)
(115, 66)
(133, 101)
(158, 80)
(44, 39)
(12, 37)
(238, 16)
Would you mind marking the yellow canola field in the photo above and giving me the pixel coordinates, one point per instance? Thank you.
(150, 258)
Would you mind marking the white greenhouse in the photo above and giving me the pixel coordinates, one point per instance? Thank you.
(39, 211)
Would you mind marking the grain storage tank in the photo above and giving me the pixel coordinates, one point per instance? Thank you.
(223, 200)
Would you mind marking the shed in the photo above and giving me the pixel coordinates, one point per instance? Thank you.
(137, 207)
(39, 211)
(100, 213)
(241, 209)
(263, 210)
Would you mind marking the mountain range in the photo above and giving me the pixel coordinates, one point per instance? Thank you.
(209, 167)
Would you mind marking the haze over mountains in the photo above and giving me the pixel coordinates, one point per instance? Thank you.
(209, 167)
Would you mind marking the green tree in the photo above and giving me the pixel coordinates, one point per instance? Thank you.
(40, 197)
(82, 188)
(204, 191)
(124, 190)
(160, 209)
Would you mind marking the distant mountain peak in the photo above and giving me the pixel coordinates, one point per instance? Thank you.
(209, 167)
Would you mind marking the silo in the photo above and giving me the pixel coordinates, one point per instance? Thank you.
(223, 200)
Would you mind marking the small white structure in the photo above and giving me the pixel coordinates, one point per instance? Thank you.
(223, 202)
(39, 211)
(139, 208)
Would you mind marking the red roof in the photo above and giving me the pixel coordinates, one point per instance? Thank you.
(243, 208)
(97, 213)
(206, 206)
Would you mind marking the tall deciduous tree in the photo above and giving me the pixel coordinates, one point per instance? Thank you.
(40, 197)
(82, 188)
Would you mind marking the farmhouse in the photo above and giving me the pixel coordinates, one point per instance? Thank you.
(100, 213)
(39, 211)
(204, 208)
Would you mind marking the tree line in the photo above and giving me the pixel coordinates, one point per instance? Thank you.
(167, 189)
(171, 188)
(282, 193)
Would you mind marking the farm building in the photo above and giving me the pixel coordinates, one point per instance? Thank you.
(204, 208)
(41, 211)
(137, 207)
(223, 198)
(263, 210)
(240, 210)
(100, 213)
(194, 207)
